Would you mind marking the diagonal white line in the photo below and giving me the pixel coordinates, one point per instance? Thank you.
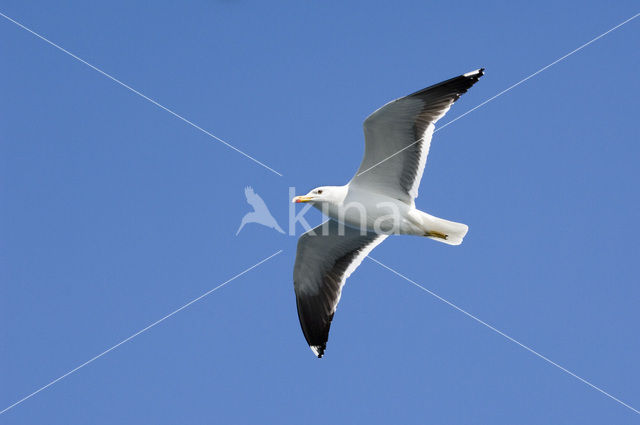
(531, 350)
(508, 89)
(540, 70)
(109, 76)
(138, 333)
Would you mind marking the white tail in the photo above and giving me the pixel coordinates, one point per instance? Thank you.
(441, 230)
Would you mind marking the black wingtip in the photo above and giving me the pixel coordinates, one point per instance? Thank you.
(457, 85)
(318, 350)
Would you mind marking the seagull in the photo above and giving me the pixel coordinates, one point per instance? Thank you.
(378, 201)
(260, 213)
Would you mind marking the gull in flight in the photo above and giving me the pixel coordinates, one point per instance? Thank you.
(377, 202)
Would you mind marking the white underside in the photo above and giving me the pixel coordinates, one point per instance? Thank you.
(373, 212)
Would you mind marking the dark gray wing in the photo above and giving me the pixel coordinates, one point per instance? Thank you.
(398, 136)
(326, 256)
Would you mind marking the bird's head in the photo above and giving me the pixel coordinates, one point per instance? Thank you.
(323, 194)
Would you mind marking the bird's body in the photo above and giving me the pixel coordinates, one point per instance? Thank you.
(378, 201)
(371, 211)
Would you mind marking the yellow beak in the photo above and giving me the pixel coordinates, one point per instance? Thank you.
(299, 199)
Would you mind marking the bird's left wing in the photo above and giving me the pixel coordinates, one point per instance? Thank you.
(326, 256)
(398, 136)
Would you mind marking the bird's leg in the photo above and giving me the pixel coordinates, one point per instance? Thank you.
(435, 234)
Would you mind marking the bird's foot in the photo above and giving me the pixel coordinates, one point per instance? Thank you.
(434, 234)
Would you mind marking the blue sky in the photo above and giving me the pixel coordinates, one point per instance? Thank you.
(113, 213)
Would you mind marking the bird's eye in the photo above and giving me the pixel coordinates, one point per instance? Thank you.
(320, 192)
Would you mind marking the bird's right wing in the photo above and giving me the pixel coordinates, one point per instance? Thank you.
(324, 261)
